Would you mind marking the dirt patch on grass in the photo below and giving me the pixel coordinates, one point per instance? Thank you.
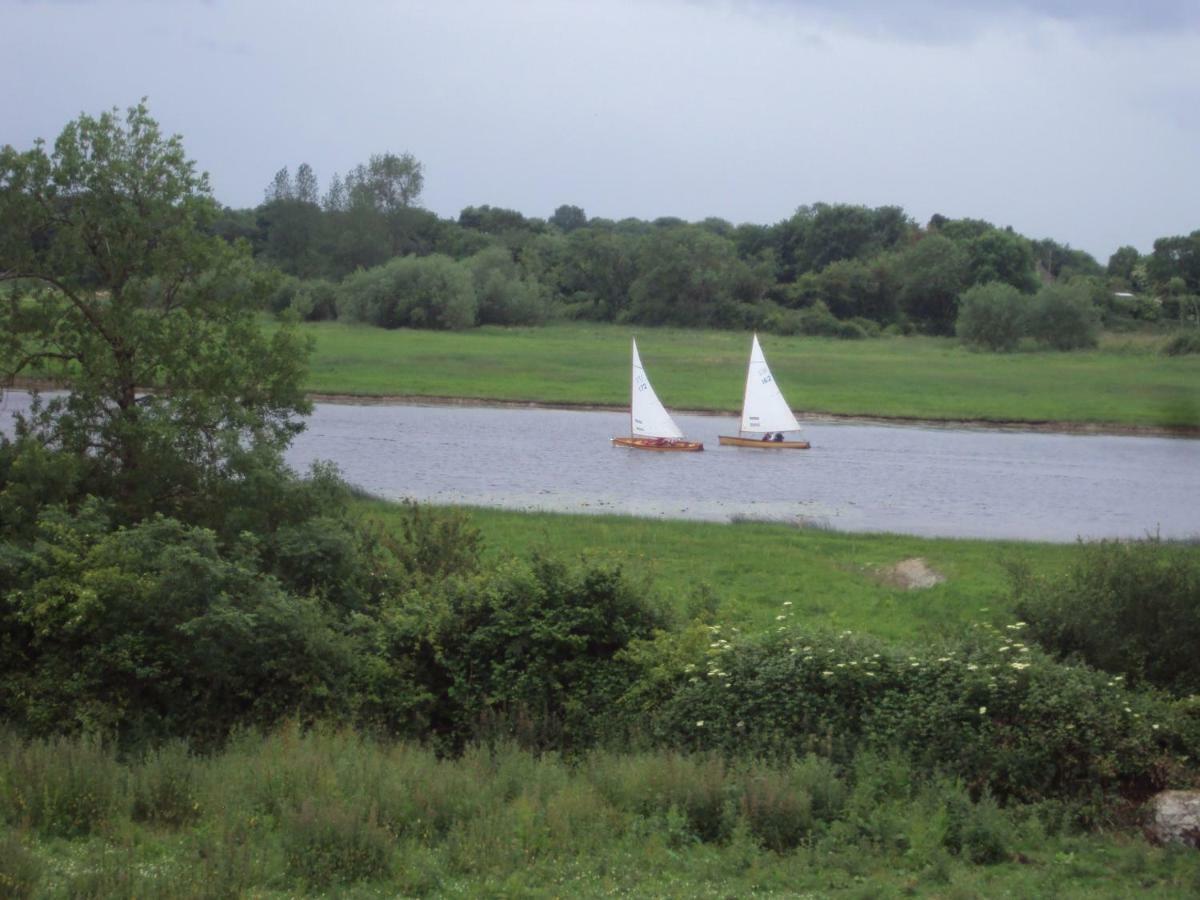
(910, 575)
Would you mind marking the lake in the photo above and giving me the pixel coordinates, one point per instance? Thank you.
(936, 482)
(857, 477)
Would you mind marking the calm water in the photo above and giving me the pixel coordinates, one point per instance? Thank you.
(923, 481)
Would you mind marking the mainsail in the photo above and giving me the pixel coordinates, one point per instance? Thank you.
(650, 419)
(763, 408)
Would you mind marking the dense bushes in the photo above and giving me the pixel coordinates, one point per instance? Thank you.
(409, 291)
(991, 711)
(1183, 343)
(1132, 609)
(991, 316)
(995, 316)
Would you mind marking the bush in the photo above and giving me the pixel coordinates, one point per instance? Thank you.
(1131, 609)
(991, 711)
(990, 316)
(20, 870)
(60, 787)
(329, 843)
(415, 292)
(1184, 342)
(505, 297)
(529, 649)
(1062, 317)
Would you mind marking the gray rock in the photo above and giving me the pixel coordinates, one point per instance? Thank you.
(1176, 818)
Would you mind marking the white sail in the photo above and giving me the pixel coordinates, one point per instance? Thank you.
(763, 408)
(650, 419)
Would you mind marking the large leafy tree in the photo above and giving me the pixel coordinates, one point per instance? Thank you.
(121, 291)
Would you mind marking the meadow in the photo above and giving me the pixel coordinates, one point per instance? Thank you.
(1126, 382)
(740, 574)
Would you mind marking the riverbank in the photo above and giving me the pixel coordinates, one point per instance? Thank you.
(1124, 387)
(1060, 427)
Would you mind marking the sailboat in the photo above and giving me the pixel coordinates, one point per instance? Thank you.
(650, 425)
(766, 416)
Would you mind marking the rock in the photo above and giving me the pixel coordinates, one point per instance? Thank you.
(1176, 818)
(911, 574)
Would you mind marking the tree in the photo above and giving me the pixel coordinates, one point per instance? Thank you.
(147, 317)
(567, 218)
(1176, 257)
(386, 183)
(280, 187)
(306, 185)
(932, 274)
(1063, 317)
(1121, 264)
(991, 316)
(1002, 255)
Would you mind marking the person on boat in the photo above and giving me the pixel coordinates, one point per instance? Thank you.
(766, 436)
(778, 437)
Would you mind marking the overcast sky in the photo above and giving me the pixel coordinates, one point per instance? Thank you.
(1067, 119)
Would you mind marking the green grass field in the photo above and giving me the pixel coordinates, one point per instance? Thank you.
(1125, 382)
(831, 579)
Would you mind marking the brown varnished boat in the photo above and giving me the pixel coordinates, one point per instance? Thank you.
(650, 425)
(667, 444)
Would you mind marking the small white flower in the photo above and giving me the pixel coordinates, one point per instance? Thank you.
(826, 672)
(971, 667)
(983, 710)
(787, 602)
(700, 723)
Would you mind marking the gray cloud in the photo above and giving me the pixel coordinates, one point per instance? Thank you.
(1075, 124)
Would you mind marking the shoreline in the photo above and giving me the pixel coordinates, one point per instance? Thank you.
(1048, 427)
(980, 424)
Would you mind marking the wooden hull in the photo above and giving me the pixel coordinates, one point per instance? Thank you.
(638, 443)
(729, 441)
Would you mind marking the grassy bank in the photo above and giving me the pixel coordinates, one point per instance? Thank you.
(742, 574)
(323, 813)
(1126, 382)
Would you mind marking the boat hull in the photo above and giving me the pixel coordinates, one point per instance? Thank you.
(665, 444)
(729, 441)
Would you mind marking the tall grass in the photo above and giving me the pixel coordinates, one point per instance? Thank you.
(330, 811)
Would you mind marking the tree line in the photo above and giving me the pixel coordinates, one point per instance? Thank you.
(365, 250)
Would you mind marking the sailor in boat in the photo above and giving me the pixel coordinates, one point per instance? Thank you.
(766, 436)
(778, 437)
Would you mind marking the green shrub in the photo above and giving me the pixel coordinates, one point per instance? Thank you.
(1185, 342)
(1129, 608)
(1062, 317)
(409, 291)
(528, 649)
(20, 870)
(60, 787)
(326, 843)
(987, 834)
(991, 316)
(163, 786)
(990, 711)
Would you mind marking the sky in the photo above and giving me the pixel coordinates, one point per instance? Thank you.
(1068, 119)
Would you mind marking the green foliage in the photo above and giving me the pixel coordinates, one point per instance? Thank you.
(20, 870)
(59, 787)
(158, 304)
(156, 630)
(1127, 608)
(416, 292)
(330, 843)
(529, 647)
(505, 296)
(931, 275)
(1062, 317)
(991, 316)
(689, 276)
(1183, 343)
(165, 785)
(989, 711)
